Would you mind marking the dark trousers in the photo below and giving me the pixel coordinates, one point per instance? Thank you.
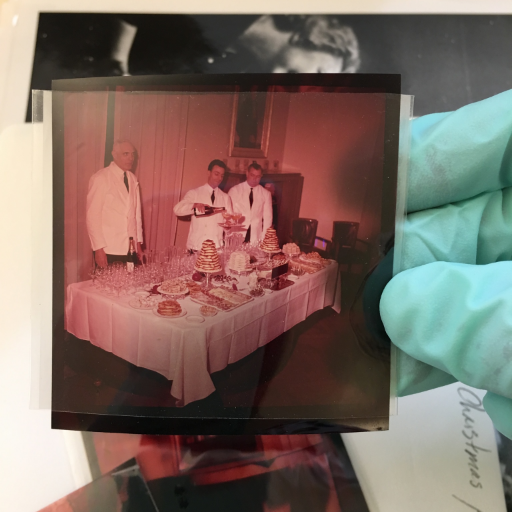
(111, 258)
(116, 257)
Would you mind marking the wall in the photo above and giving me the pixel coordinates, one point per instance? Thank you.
(156, 124)
(208, 134)
(208, 130)
(85, 119)
(336, 141)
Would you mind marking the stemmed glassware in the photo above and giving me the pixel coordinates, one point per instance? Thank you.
(157, 266)
(99, 278)
(92, 275)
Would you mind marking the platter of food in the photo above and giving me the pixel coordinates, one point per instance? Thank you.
(282, 284)
(173, 288)
(257, 292)
(315, 259)
(169, 309)
(310, 267)
(222, 298)
(205, 299)
(221, 279)
(291, 249)
(181, 315)
(233, 296)
(144, 302)
(193, 286)
(278, 260)
(208, 310)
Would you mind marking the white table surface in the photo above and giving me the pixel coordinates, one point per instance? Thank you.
(187, 353)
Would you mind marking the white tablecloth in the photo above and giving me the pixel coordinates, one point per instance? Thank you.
(187, 353)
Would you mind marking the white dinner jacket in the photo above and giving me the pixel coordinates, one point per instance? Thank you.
(113, 214)
(203, 228)
(259, 217)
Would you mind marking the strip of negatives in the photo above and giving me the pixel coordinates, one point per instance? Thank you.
(309, 163)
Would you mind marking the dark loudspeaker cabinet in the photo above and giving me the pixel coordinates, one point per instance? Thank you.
(286, 198)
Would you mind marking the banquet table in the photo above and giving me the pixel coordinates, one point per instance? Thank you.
(188, 353)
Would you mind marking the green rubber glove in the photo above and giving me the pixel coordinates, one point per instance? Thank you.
(450, 309)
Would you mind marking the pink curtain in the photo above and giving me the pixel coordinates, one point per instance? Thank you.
(156, 125)
(85, 120)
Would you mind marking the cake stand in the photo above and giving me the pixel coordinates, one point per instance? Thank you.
(291, 256)
(207, 285)
(228, 228)
(269, 254)
(239, 273)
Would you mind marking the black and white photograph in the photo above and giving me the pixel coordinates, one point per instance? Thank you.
(446, 61)
(219, 247)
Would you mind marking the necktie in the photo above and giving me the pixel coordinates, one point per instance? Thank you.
(213, 197)
(250, 198)
(126, 182)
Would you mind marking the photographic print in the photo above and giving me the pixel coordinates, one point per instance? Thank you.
(197, 291)
(445, 60)
(231, 473)
(122, 488)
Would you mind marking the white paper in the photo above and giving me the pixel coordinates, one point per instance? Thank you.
(38, 465)
(19, 18)
(440, 454)
(420, 465)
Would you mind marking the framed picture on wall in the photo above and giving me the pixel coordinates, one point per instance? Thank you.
(182, 303)
(250, 128)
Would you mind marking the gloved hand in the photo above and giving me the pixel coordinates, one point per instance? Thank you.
(450, 309)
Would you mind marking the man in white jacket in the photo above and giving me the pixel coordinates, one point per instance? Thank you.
(113, 207)
(205, 227)
(254, 202)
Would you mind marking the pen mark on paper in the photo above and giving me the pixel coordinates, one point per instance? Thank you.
(466, 503)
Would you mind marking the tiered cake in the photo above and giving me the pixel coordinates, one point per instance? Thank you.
(270, 242)
(239, 261)
(208, 259)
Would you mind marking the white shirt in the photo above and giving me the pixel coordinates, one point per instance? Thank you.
(259, 217)
(113, 214)
(203, 227)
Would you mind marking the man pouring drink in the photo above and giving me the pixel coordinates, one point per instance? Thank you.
(205, 204)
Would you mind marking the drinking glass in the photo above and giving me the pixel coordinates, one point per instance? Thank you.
(92, 275)
(100, 278)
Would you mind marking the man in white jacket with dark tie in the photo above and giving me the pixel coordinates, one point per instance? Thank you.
(205, 227)
(113, 207)
(254, 202)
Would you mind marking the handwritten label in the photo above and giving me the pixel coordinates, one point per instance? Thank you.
(471, 408)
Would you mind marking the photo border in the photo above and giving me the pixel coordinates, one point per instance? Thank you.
(279, 420)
